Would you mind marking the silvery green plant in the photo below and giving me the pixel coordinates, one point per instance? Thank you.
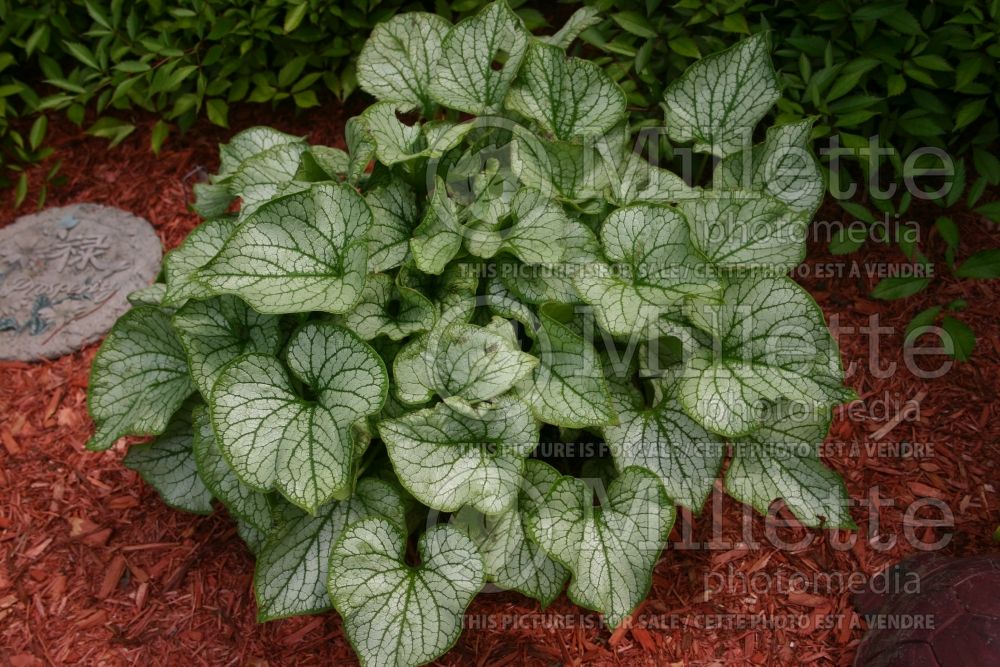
(380, 338)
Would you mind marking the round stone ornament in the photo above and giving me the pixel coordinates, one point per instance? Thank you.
(65, 275)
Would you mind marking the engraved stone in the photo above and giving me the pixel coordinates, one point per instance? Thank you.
(65, 275)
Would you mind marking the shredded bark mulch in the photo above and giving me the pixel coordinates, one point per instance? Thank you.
(96, 570)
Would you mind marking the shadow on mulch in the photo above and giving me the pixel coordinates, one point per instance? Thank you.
(94, 569)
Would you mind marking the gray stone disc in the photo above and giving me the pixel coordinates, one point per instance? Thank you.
(65, 275)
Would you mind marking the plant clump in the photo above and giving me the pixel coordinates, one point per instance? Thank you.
(387, 338)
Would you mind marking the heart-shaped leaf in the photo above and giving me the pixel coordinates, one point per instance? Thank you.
(394, 613)
(275, 437)
(216, 331)
(568, 386)
(740, 229)
(655, 269)
(611, 549)
(139, 378)
(399, 58)
(480, 57)
(293, 565)
(719, 100)
(321, 235)
(664, 440)
(773, 344)
(513, 561)
(568, 97)
(257, 164)
(448, 457)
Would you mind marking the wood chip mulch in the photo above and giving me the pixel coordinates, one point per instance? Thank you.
(96, 570)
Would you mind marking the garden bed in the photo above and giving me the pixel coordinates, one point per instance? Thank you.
(94, 569)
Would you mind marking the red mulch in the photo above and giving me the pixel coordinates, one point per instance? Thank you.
(95, 570)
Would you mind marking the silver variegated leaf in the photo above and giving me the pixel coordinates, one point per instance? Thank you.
(253, 538)
(719, 100)
(320, 237)
(395, 142)
(633, 180)
(181, 264)
(568, 97)
(294, 564)
(168, 465)
(480, 57)
(666, 441)
(461, 361)
(397, 615)
(438, 238)
(148, 296)
(611, 549)
(387, 309)
(568, 386)
(274, 438)
(139, 378)
(267, 175)
(655, 270)
(780, 460)
(538, 233)
(324, 163)
(773, 344)
(248, 143)
(513, 561)
(784, 165)
(398, 61)
(394, 215)
(245, 503)
(743, 229)
(449, 457)
(360, 148)
(560, 169)
(216, 331)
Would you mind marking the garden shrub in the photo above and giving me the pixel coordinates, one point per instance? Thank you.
(181, 59)
(916, 74)
(385, 340)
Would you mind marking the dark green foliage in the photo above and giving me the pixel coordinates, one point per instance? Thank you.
(181, 59)
(915, 73)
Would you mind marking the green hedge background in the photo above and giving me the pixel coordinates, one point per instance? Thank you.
(915, 73)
